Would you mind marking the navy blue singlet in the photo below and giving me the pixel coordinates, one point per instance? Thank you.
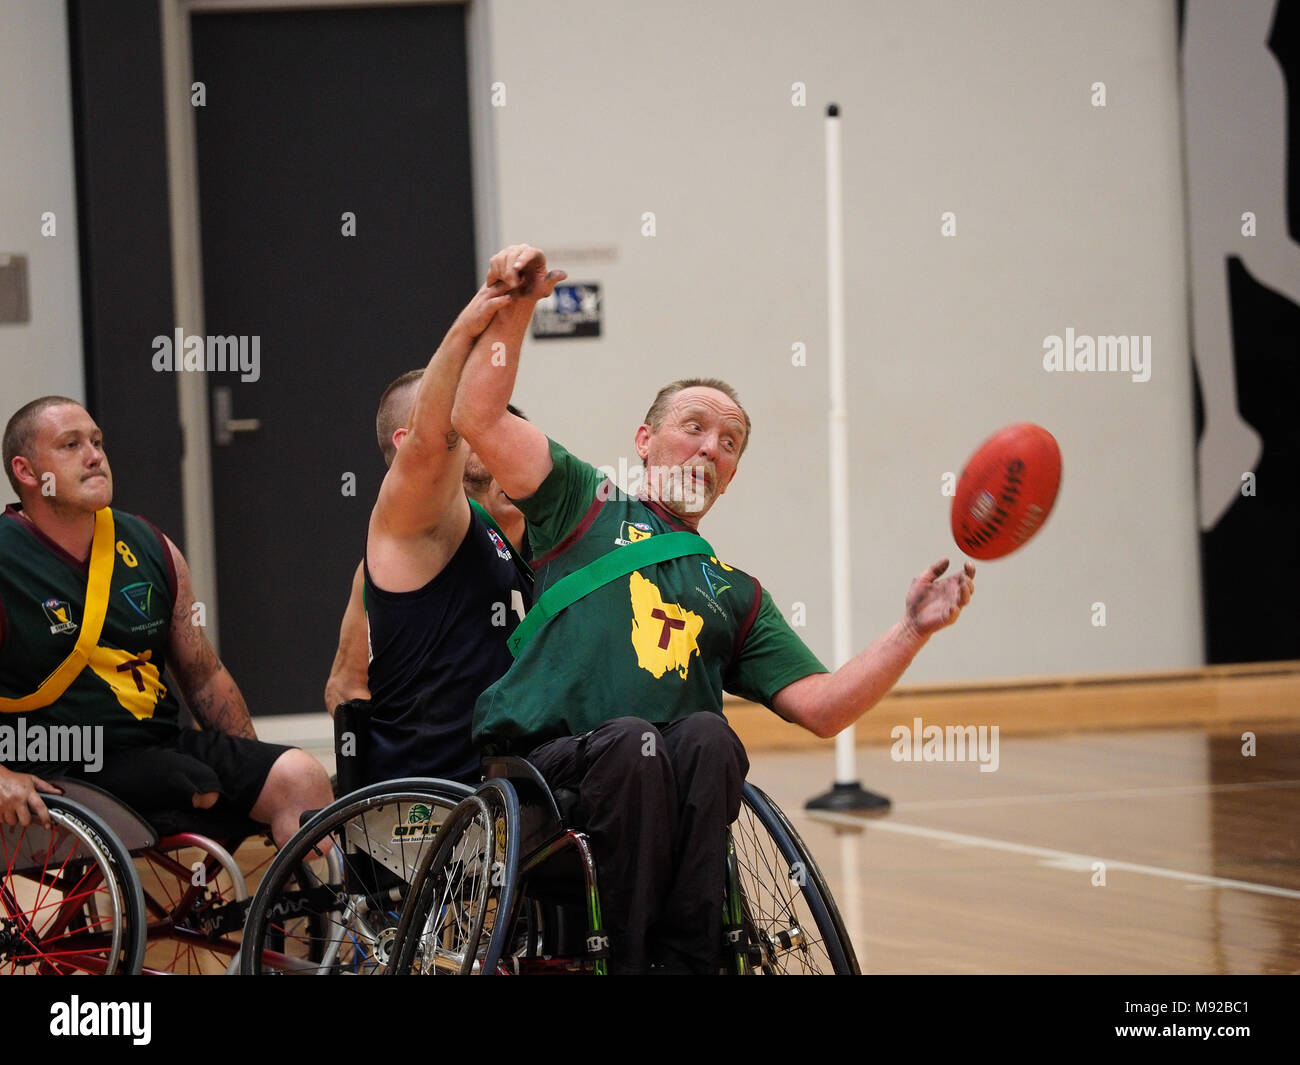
(432, 653)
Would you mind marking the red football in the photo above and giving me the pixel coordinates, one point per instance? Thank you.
(1006, 491)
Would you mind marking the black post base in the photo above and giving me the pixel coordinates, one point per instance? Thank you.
(851, 796)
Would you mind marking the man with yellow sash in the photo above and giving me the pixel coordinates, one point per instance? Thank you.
(94, 605)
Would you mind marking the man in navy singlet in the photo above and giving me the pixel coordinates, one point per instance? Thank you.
(349, 674)
(443, 585)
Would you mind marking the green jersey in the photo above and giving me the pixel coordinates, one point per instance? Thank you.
(662, 643)
(43, 597)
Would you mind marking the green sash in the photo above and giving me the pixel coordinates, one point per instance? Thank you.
(609, 567)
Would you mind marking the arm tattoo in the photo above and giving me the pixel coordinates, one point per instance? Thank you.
(219, 707)
(210, 692)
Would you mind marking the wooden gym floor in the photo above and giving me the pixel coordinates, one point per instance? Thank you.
(997, 872)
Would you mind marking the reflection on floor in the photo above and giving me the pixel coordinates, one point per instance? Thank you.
(1161, 851)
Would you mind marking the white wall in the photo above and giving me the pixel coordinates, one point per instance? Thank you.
(1068, 215)
(42, 356)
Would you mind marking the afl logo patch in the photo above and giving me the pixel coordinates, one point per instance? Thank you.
(60, 613)
(632, 531)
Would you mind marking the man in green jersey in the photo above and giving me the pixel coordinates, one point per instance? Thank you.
(619, 695)
(94, 605)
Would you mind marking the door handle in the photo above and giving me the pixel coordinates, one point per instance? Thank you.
(224, 427)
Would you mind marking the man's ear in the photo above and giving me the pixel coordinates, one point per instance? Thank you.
(22, 467)
(399, 435)
(643, 442)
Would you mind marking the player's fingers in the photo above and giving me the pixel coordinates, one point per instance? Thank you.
(970, 569)
(39, 809)
(936, 571)
(547, 284)
(42, 785)
(24, 817)
(501, 263)
(525, 257)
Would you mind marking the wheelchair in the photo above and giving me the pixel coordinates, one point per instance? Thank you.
(102, 891)
(69, 901)
(331, 900)
(496, 895)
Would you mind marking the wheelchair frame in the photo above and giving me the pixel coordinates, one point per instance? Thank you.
(140, 891)
(479, 899)
(314, 914)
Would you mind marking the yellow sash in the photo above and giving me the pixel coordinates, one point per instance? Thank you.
(92, 622)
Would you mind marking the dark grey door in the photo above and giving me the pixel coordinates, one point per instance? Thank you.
(309, 116)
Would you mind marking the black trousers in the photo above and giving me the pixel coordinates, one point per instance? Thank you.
(656, 803)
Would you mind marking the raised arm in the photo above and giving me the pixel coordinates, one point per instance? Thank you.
(827, 703)
(514, 450)
(210, 691)
(350, 675)
(426, 473)
(421, 514)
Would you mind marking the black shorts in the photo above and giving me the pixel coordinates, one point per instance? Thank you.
(159, 782)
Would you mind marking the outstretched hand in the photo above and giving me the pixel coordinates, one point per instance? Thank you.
(933, 604)
(522, 268)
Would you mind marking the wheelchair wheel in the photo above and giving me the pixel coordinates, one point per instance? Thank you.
(337, 913)
(789, 923)
(196, 896)
(462, 916)
(69, 898)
